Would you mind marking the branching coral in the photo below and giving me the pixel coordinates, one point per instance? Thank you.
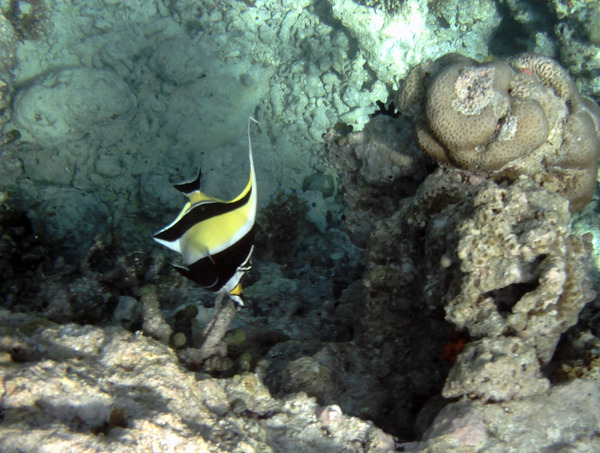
(522, 116)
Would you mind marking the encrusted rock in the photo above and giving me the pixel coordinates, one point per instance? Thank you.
(506, 263)
(496, 369)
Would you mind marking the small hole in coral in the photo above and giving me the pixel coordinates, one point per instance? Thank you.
(506, 297)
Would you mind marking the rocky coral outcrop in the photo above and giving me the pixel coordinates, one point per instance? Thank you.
(501, 263)
(521, 116)
(83, 388)
(522, 271)
(565, 419)
(505, 266)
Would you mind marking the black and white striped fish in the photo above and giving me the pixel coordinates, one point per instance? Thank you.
(215, 237)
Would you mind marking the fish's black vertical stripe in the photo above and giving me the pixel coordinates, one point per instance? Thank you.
(198, 213)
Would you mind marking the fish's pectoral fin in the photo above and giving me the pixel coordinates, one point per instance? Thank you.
(208, 279)
(183, 271)
(191, 186)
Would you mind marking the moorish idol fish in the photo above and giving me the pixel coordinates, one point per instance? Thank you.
(215, 237)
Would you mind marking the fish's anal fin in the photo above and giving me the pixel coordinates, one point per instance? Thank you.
(236, 295)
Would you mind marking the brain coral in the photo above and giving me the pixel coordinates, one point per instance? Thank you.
(521, 116)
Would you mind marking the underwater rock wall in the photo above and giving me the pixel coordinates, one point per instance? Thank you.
(188, 76)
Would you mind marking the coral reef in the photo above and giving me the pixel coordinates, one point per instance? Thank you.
(195, 74)
(394, 36)
(496, 369)
(468, 278)
(39, 280)
(579, 358)
(504, 265)
(8, 48)
(578, 41)
(279, 224)
(536, 291)
(521, 116)
(563, 29)
(464, 223)
(30, 18)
